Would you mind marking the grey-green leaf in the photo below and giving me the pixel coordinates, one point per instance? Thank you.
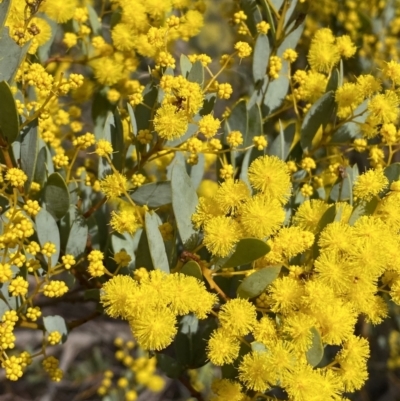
(4, 8)
(156, 243)
(316, 352)
(155, 194)
(262, 52)
(192, 268)
(255, 125)
(319, 114)
(94, 20)
(56, 195)
(196, 73)
(29, 151)
(11, 55)
(247, 250)
(255, 284)
(282, 143)
(238, 119)
(133, 120)
(185, 65)
(47, 231)
(184, 201)
(77, 237)
(9, 120)
(56, 323)
(277, 90)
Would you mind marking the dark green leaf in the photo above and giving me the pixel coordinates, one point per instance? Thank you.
(11, 56)
(114, 133)
(208, 104)
(259, 92)
(100, 108)
(253, 15)
(191, 268)
(333, 82)
(92, 293)
(154, 195)
(170, 366)
(196, 74)
(185, 65)
(327, 218)
(319, 114)
(56, 195)
(316, 352)
(77, 238)
(247, 250)
(143, 257)
(255, 125)
(261, 57)
(133, 119)
(156, 243)
(47, 231)
(255, 284)
(184, 201)
(238, 119)
(29, 151)
(9, 120)
(392, 173)
(282, 143)
(343, 188)
(56, 323)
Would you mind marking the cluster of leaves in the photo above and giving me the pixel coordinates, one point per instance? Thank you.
(229, 223)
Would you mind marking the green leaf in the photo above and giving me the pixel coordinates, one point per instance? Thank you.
(197, 171)
(259, 92)
(56, 196)
(170, 366)
(4, 9)
(262, 52)
(254, 126)
(253, 15)
(127, 242)
(47, 231)
(92, 293)
(114, 133)
(185, 65)
(208, 104)
(56, 323)
(316, 352)
(191, 268)
(144, 112)
(100, 108)
(156, 243)
(154, 195)
(363, 208)
(277, 90)
(142, 255)
(392, 173)
(238, 119)
(327, 218)
(184, 201)
(29, 151)
(343, 188)
(333, 82)
(191, 341)
(196, 74)
(94, 21)
(258, 347)
(282, 143)
(247, 250)
(11, 56)
(77, 237)
(9, 120)
(133, 119)
(44, 50)
(319, 114)
(255, 284)
(291, 40)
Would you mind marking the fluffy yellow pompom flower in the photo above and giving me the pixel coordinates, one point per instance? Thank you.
(227, 389)
(170, 122)
(222, 347)
(115, 293)
(154, 329)
(220, 235)
(231, 195)
(114, 185)
(271, 176)
(103, 147)
(209, 125)
(384, 107)
(255, 371)
(243, 48)
(60, 11)
(238, 316)
(370, 184)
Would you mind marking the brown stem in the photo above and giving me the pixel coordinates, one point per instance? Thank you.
(193, 392)
(95, 207)
(76, 323)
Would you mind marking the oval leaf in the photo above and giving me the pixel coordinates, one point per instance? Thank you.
(56, 196)
(255, 284)
(319, 114)
(47, 231)
(191, 268)
(262, 52)
(247, 250)
(9, 120)
(29, 151)
(316, 352)
(77, 237)
(155, 194)
(156, 243)
(56, 323)
(184, 201)
(196, 73)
